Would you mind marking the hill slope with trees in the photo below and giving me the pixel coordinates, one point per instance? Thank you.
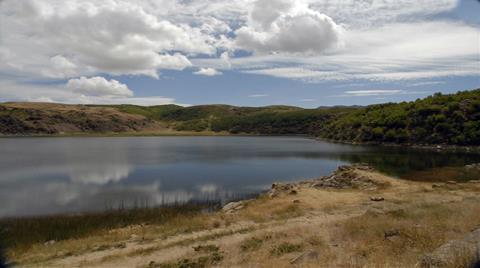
(438, 119)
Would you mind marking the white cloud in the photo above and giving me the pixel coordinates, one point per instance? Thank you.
(367, 12)
(13, 91)
(99, 87)
(373, 92)
(426, 83)
(299, 73)
(258, 96)
(207, 72)
(115, 37)
(393, 52)
(307, 40)
(381, 93)
(287, 26)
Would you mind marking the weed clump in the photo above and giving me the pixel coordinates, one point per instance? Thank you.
(285, 248)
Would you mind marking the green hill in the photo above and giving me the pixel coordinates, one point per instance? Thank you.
(438, 119)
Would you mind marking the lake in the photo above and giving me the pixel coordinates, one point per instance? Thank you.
(41, 176)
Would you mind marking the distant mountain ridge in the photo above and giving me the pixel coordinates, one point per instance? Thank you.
(438, 119)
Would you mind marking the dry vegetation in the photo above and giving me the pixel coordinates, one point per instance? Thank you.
(307, 227)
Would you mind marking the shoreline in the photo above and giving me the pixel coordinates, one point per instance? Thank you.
(279, 227)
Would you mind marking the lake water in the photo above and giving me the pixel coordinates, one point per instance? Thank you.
(40, 176)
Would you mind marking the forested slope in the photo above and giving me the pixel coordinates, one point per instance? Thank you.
(438, 119)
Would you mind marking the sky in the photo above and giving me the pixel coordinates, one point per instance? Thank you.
(306, 53)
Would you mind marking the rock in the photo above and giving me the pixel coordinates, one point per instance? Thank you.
(391, 233)
(375, 211)
(465, 251)
(51, 242)
(296, 201)
(474, 181)
(377, 198)
(308, 255)
(437, 185)
(473, 167)
(451, 182)
(282, 188)
(133, 237)
(346, 177)
(233, 206)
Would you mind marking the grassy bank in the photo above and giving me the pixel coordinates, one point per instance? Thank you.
(21, 233)
(298, 225)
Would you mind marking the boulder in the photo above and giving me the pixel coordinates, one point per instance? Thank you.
(456, 253)
(391, 233)
(377, 198)
(473, 167)
(233, 206)
(49, 243)
(282, 188)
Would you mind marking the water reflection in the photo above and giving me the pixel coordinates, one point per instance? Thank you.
(99, 174)
(55, 175)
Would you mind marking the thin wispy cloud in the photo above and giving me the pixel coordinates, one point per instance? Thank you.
(427, 83)
(258, 96)
(380, 92)
(372, 92)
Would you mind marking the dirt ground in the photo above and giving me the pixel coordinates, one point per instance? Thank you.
(383, 223)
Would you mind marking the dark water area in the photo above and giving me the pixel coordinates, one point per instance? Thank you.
(43, 176)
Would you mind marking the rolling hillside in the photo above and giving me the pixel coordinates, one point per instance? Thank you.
(438, 119)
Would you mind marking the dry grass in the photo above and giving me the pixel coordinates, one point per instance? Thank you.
(153, 224)
(342, 227)
(400, 237)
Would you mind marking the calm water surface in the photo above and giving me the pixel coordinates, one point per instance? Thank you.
(40, 176)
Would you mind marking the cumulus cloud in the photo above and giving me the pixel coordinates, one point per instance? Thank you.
(287, 26)
(98, 87)
(86, 37)
(307, 40)
(207, 72)
(13, 91)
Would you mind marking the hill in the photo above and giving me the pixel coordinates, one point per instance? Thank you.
(438, 119)
(47, 119)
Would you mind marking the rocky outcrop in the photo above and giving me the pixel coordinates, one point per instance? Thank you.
(345, 177)
(283, 188)
(457, 253)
